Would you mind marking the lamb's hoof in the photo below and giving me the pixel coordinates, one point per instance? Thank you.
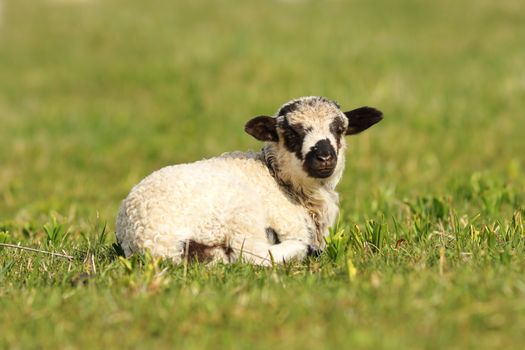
(314, 252)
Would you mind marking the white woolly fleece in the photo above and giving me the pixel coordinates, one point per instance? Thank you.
(224, 202)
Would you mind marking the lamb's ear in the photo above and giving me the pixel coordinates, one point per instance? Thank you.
(361, 119)
(263, 128)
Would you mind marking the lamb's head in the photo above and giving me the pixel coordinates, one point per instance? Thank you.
(306, 137)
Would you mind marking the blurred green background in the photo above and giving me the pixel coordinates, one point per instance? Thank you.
(429, 252)
(94, 94)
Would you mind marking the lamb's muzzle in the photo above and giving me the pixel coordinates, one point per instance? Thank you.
(321, 160)
(272, 206)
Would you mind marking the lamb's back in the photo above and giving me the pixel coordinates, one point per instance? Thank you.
(196, 197)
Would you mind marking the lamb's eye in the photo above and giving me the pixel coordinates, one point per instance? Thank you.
(298, 129)
(337, 127)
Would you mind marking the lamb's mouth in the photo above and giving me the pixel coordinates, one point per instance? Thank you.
(320, 172)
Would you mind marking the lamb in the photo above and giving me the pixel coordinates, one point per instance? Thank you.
(265, 207)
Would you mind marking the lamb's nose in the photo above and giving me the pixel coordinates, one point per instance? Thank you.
(324, 153)
(324, 157)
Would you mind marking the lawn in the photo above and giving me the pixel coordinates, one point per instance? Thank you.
(429, 250)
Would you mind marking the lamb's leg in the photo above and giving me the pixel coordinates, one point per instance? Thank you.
(251, 250)
(289, 250)
(260, 252)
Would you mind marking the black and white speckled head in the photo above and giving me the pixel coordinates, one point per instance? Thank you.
(309, 133)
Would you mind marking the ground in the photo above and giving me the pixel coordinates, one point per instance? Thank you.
(429, 251)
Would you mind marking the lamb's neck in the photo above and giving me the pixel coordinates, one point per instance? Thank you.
(322, 204)
(317, 196)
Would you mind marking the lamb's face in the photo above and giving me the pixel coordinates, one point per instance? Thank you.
(311, 130)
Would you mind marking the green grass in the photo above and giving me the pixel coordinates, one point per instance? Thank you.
(429, 251)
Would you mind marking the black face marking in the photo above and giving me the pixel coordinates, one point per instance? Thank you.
(321, 160)
(293, 138)
(337, 128)
(272, 236)
(290, 107)
(295, 105)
